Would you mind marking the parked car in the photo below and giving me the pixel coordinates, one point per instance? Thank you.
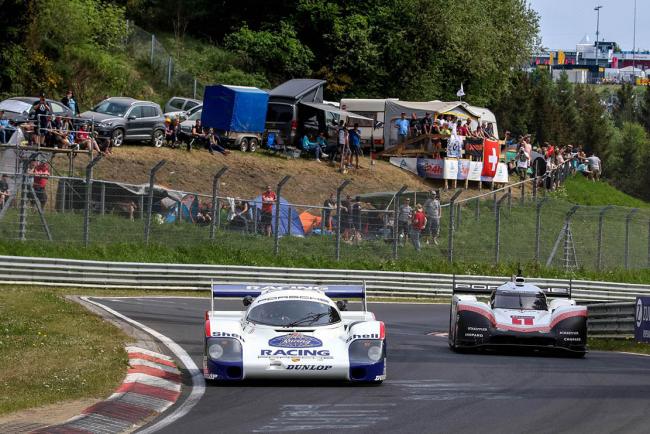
(19, 108)
(126, 119)
(178, 106)
(184, 115)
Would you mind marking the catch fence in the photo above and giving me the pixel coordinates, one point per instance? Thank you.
(521, 222)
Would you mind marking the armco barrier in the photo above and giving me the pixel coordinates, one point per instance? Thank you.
(611, 320)
(101, 274)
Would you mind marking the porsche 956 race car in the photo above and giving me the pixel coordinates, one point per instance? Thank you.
(517, 314)
(293, 332)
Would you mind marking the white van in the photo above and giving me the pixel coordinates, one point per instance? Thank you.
(373, 109)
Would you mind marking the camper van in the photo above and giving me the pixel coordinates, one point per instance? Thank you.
(372, 132)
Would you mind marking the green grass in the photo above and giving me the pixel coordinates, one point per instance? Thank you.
(52, 349)
(580, 190)
(625, 345)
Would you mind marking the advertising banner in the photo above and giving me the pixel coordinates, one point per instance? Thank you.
(451, 168)
(642, 319)
(446, 168)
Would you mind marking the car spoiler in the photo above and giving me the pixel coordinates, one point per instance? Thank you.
(486, 289)
(240, 290)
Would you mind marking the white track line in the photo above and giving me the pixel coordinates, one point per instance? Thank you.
(198, 383)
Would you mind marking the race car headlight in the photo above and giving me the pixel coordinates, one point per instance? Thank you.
(224, 349)
(366, 351)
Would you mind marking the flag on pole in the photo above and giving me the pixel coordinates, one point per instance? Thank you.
(461, 92)
(491, 155)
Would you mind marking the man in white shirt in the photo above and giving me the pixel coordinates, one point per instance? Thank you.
(523, 161)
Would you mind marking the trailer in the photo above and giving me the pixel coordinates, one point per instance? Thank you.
(237, 113)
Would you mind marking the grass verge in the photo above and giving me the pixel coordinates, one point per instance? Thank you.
(625, 345)
(52, 349)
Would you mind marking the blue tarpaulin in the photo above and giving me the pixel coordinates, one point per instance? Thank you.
(234, 108)
(296, 224)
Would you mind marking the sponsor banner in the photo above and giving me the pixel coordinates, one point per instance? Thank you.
(642, 319)
(445, 168)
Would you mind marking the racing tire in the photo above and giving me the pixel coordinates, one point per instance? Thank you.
(117, 137)
(158, 139)
(243, 144)
(252, 145)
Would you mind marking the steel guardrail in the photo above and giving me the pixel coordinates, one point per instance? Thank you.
(611, 320)
(135, 275)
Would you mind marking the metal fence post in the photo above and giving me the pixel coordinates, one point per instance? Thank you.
(398, 195)
(339, 191)
(289, 220)
(153, 44)
(89, 193)
(628, 219)
(194, 89)
(102, 203)
(141, 205)
(152, 178)
(459, 215)
(169, 71)
(538, 227)
(599, 257)
(497, 240)
(255, 218)
(22, 222)
(276, 234)
(523, 193)
(478, 209)
(322, 222)
(494, 203)
(450, 240)
(509, 200)
(216, 211)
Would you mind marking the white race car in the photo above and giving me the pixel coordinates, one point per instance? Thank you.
(293, 332)
(517, 314)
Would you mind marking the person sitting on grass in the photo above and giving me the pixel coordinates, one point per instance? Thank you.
(198, 136)
(584, 169)
(214, 143)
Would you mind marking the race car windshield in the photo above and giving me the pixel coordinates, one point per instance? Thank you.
(291, 313)
(515, 300)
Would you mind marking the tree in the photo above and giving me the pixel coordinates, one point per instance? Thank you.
(625, 107)
(567, 110)
(644, 111)
(594, 127)
(628, 156)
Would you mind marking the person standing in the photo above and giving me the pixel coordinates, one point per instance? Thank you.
(328, 206)
(70, 102)
(268, 200)
(432, 211)
(594, 166)
(42, 112)
(404, 219)
(354, 136)
(418, 224)
(343, 141)
(523, 161)
(41, 173)
(402, 125)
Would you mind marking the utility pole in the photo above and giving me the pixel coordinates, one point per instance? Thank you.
(634, 46)
(597, 9)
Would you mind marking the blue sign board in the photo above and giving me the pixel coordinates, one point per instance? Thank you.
(642, 319)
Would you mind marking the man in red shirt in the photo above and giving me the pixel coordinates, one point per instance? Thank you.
(268, 199)
(419, 221)
(41, 172)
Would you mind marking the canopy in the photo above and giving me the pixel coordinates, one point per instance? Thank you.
(337, 111)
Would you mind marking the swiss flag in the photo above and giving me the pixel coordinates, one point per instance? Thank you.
(491, 154)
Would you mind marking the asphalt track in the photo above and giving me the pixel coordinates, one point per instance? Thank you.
(429, 388)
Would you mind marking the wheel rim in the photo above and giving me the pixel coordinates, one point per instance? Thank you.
(118, 138)
(243, 145)
(252, 147)
(158, 139)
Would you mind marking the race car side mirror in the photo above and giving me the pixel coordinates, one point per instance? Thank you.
(342, 305)
(247, 300)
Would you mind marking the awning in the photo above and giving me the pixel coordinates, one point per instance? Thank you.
(332, 109)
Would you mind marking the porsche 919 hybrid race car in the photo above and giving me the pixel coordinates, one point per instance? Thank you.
(293, 332)
(518, 314)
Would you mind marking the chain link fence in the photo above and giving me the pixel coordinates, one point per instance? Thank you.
(521, 222)
(147, 49)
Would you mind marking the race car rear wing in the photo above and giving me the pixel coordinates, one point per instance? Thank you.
(240, 290)
(556, 291)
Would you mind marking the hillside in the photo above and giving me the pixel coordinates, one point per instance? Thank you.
(249, 173)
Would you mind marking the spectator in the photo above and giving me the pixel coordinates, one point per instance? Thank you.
(5, 128)
(402, 125)
(346, 218)
(268, 200)
(328, 206)
(426, 124)
(214, 143)
(60, 130)
(584, 169)
(418, 224)
(414, 125)
(42, 112)
(308, 145)
(354, 136)
(41, 173)
(240, 218)
(171, 133)
(84, 140)
(595, 166)
(355, 219)
(198, 136)
(69, 101)
(523, 162)
(343, 145)
(404, 219)
(4, 190)
(432, 211)
(489, 129)
(461, 129)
